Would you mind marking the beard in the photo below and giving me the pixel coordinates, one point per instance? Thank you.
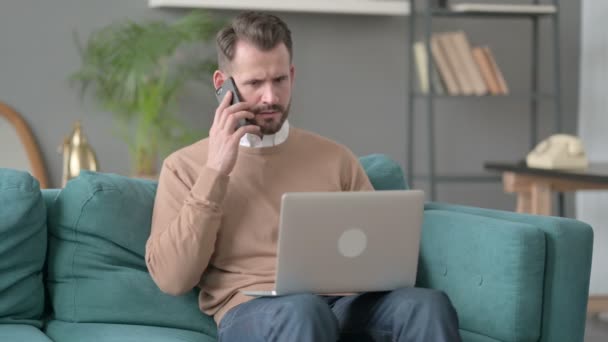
(269, 126)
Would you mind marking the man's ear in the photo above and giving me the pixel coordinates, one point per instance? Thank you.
(292, 73)
(218, 79)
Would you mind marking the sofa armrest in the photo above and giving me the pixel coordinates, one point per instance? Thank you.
(491, 269)
(568, 251)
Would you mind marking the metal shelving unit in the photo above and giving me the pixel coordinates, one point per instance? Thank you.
(428, 14)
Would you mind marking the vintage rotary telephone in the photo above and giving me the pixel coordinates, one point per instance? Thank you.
(560, 151)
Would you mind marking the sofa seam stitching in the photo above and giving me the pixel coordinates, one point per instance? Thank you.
(75, 235)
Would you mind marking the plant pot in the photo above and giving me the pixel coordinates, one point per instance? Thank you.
(145, 163)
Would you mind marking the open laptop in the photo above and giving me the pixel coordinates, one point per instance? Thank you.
(345, 242)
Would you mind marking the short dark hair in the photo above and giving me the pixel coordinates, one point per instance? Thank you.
(263, 30)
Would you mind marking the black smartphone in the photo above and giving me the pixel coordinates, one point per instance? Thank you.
(229, 85)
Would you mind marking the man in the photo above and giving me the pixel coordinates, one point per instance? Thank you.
(215, 220)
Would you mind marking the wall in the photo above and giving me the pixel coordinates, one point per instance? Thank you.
(350, 86)
(593, 126)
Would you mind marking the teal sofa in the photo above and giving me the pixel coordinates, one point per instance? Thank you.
(72, 266)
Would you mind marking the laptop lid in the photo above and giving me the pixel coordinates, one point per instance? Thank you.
(342, 242)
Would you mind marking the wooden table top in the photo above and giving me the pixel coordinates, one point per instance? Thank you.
(596, 172)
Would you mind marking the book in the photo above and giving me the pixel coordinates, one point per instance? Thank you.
(469, 66)
(486, 71)
(437, 82)
(443, 67)
(422, 67)
(504, 89)
(503, 8)
(457, 64)
(422, 61)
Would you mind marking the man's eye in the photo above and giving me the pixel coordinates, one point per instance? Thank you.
(254, 83)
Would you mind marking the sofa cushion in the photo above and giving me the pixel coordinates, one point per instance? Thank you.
(23, 238)
(384, 173)
(21, 332)
(491, 269)
(98, 227)
(103, 332)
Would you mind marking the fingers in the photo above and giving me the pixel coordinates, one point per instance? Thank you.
(228, 112)
(232, 120)
(220, 109)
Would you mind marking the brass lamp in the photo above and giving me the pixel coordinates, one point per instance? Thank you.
(77, 154)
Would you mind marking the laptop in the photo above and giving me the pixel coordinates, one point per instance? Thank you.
(347, 242)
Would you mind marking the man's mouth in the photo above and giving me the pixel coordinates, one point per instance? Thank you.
(267, 114)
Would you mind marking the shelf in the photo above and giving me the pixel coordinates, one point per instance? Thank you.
(361, 7)
(495, 10)
(535, 96)
(505, 97)
(460, 178)
(451, 14)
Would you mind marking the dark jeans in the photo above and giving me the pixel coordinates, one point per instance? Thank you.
(409, 314)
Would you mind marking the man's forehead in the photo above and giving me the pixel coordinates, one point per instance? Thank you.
(252, 62)
(247, 52)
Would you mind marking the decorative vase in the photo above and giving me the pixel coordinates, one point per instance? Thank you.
(77, 154)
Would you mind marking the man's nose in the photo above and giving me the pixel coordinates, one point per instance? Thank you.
(270, 95)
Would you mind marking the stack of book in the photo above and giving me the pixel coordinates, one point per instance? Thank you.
(459, 68)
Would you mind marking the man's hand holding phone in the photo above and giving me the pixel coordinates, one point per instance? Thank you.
(226, 133)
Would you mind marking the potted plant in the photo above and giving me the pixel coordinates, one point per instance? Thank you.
(136, 73)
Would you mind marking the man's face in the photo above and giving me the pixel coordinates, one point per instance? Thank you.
(264, 80)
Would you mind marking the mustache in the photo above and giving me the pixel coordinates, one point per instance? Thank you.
(268, 108)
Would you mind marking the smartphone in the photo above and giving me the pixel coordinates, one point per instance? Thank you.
(228, 85)
(220, 92)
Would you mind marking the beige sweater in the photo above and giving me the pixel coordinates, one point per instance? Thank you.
(220, 232)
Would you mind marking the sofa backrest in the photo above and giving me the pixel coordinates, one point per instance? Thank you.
(95, 270)
(383, 172)
(23, 241)
(98, 227)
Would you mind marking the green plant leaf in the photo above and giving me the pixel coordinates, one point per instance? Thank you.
(130, 70)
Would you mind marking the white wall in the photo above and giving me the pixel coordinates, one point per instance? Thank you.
(12, 152)
(592, 206)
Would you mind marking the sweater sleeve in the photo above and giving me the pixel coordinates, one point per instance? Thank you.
(354, 176)
(185, 222)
